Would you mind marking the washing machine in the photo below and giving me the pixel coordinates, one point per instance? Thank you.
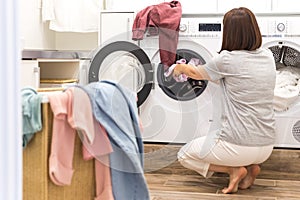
(176, 112)
(170, 112)
(281, 34)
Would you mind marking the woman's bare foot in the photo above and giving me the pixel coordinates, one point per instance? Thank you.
(247, 182)
(236, 174)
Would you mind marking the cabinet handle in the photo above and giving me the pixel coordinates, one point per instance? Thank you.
(36, 74)
(128, 27)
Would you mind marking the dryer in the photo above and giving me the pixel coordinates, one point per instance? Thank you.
(281, 34)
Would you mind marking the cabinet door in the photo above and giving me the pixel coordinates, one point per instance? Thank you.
(286, 6)
(199, 6)
(30, 74)
(134, 5)
(256, 6)
(115, 26)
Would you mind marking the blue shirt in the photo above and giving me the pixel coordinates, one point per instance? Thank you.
(115, 108)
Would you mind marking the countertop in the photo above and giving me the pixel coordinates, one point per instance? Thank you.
(56, 54)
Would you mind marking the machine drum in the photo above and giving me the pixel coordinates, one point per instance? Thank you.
(291, 57)
(296, 131)
(285, 55)
(277, 53)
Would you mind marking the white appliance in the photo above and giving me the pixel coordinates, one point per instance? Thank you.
(167, 115)
(281, 33)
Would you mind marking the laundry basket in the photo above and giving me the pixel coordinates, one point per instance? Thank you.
(36, 182)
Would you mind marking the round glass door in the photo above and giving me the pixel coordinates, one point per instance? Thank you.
(287, 88)
(126, 64)
(182, 91)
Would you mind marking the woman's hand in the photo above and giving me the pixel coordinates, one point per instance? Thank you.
(194, 72)
(177, 70)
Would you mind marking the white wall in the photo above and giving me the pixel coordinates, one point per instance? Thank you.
(76, 41)
(34, 33)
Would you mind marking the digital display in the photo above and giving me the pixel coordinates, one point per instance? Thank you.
(209, 27)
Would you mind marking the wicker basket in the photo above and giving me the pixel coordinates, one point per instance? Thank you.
(36, 182)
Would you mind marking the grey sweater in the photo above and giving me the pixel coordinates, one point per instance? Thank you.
(247, 81)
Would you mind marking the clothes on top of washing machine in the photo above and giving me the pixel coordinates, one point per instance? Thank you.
(165, 19)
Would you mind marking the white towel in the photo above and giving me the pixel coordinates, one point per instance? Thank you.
(72, 15)
(287, 88)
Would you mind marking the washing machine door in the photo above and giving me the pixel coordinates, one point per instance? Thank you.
(287, 58)
(185, 91)
(287, 92)
(125, 63)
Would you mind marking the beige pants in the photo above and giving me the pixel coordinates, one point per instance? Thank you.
(201, 152)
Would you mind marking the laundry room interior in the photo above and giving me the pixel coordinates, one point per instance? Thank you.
(106, 99)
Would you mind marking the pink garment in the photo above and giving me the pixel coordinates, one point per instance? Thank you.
(73, 111)
(162, 19)
(100, 150)
(181, 77)
(63, 138)
(92, 134)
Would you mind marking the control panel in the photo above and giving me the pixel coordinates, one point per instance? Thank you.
(201, 27)
(279, 26)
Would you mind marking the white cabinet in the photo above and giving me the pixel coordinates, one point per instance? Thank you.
(286, 6)
(199, 6)
(135, 5)
(256, 6)
(115, 26)
(30, 74)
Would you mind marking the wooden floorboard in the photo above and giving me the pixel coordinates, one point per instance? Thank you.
(168, 180)
(165, 187)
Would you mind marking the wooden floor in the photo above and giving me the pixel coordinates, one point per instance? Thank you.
(168, 180)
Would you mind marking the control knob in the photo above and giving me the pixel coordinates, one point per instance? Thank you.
(182, 27)
(280, 27)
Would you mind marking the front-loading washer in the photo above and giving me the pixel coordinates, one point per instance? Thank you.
(281, 34)
(170, 112)
(179, 112)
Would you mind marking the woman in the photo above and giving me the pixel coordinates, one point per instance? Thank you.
(246, 73)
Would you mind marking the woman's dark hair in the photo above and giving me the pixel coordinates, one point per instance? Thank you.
(240, 30)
